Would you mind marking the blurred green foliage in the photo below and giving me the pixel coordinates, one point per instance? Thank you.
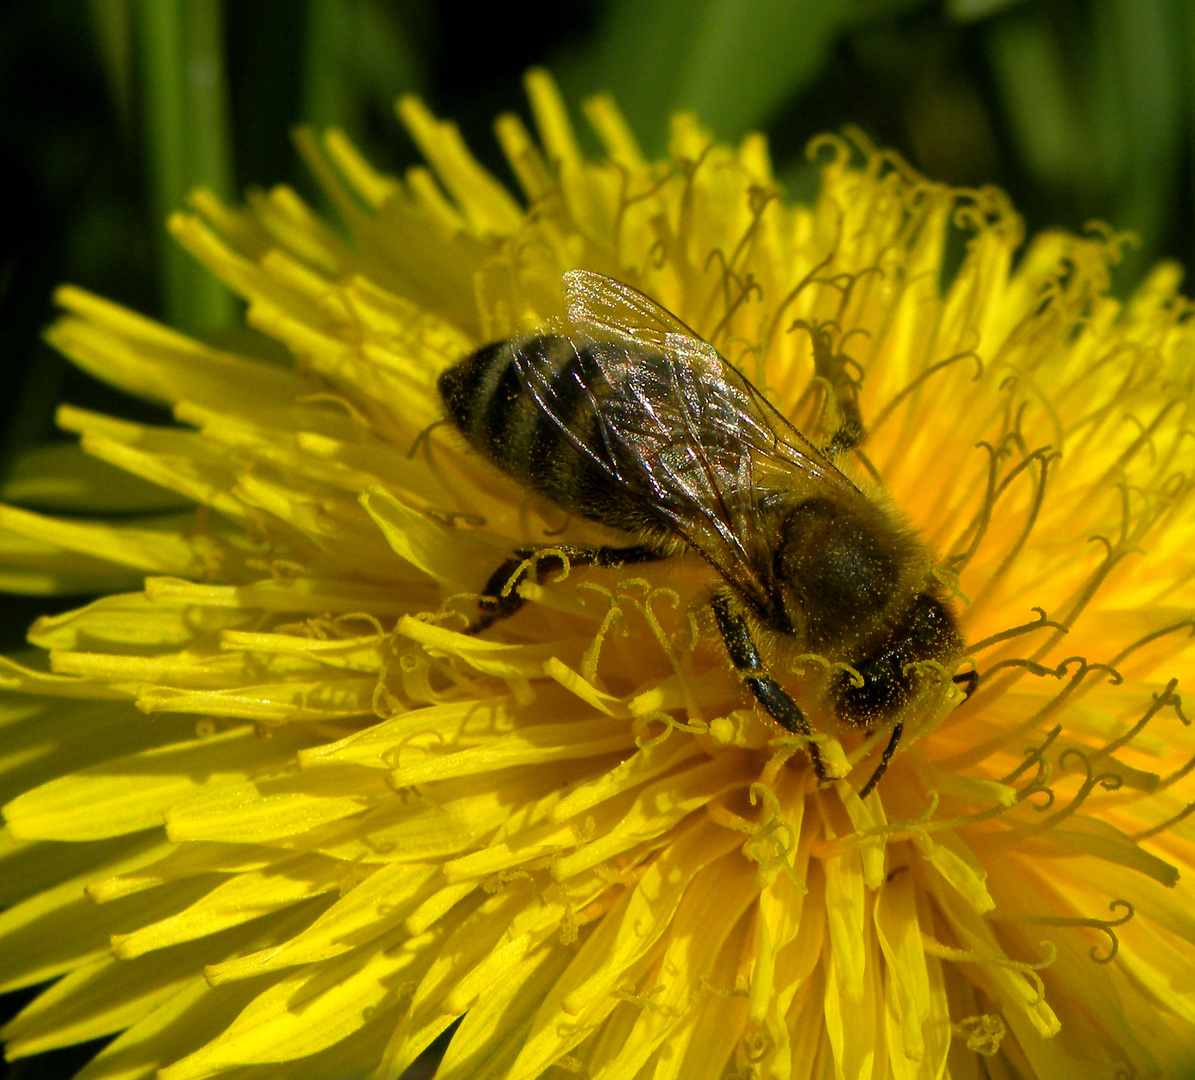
(115, 109)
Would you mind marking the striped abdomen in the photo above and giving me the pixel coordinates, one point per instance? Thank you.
(488, 401)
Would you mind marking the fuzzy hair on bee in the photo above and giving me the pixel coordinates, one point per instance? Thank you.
(628, 418)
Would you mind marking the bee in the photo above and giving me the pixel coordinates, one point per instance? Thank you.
(628, 418)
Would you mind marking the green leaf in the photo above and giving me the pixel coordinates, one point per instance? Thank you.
(1095, 109)
(187, 137)
(732, 63)
(359, 56)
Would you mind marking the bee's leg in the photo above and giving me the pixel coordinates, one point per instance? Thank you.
(772, 697)
(500, 598)
(834, 367)
(886, 757)
(850, 434)
(969, 680)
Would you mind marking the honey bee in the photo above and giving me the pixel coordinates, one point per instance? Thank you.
(631, 420)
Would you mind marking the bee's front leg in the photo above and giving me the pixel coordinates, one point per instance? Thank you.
(500, 598)
(772, 697)
(886, 757)
(967, 679)
(841, 377)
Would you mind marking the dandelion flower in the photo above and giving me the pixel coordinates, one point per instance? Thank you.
(272, 812)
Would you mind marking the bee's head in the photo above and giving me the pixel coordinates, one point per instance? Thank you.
(928, 632)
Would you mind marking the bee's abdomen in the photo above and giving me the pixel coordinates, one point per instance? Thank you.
(489, 402)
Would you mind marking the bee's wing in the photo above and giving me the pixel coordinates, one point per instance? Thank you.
(685, 434)
(616, 309)
(612, 309)
(662, 436)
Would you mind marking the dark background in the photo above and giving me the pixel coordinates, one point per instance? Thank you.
(114, 109)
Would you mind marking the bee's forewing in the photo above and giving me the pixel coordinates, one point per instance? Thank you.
(609, 308)
(614, 309)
